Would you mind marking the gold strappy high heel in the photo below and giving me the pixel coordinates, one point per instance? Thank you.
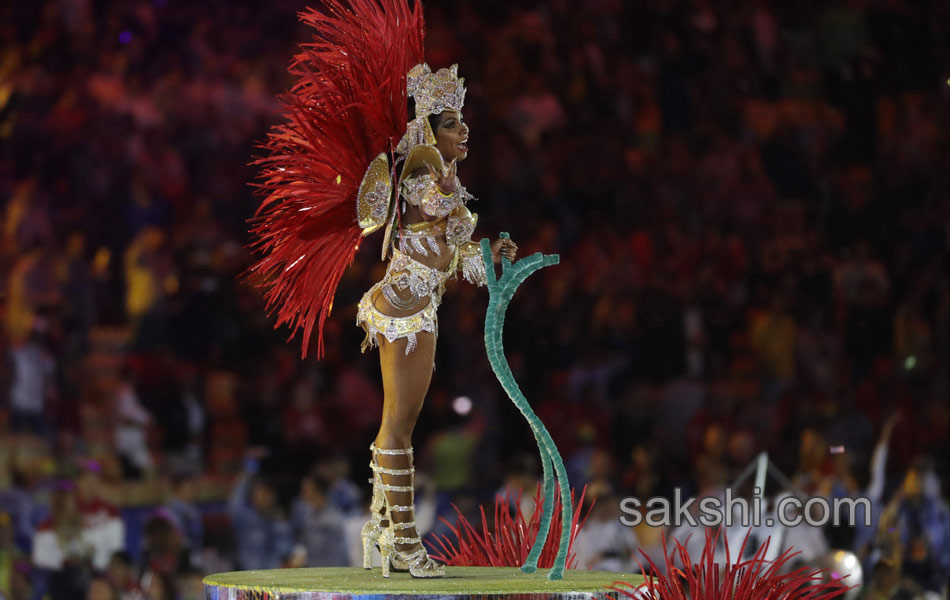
(416, 560)
(374, 527)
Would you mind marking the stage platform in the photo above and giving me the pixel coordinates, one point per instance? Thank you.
(459, 583)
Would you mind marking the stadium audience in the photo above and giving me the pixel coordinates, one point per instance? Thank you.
(750, 207)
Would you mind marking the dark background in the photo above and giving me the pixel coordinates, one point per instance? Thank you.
(750, 202)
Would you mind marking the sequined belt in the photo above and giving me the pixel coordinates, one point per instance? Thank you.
(407, 273)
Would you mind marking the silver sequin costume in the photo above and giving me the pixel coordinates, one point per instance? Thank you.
(409, 288)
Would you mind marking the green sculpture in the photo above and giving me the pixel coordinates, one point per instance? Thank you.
(500, 293)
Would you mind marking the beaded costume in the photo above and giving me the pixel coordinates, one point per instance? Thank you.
(427, 253)
(411, 289)
(348, 140)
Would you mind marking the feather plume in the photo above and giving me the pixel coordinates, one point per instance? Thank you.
(704, 578)
(507, 539)
(348, 104)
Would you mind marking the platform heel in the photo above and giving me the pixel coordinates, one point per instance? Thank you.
(416, 560)
(374, 528)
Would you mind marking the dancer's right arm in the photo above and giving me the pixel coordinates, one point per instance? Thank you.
(238, 502)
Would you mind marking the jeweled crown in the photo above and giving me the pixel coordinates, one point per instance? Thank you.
(435, 92)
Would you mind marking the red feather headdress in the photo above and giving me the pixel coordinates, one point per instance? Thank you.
(347, 106)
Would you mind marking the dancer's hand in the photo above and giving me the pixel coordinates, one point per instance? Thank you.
(503, 247)
(447, 181)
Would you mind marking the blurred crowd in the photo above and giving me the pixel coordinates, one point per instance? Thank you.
(749, 201)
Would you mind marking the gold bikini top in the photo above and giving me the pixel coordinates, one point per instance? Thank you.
(423, 192)
(452, 217)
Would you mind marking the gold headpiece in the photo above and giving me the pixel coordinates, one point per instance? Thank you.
(433, 93)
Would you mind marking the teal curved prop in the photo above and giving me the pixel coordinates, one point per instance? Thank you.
(500, 292)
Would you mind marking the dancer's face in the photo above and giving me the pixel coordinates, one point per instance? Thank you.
(451, 136)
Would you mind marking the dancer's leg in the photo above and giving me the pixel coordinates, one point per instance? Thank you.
(406, 380)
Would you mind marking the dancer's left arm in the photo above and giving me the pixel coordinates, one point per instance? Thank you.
(470, 253)
(470, 259)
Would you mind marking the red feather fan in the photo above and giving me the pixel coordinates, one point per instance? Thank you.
(347, 106)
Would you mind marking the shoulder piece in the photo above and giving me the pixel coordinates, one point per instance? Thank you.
(414, 189)
(420, 156)
(375, 195)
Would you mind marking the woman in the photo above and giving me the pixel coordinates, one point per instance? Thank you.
(348, 110)
(63, 547)
(399, 312)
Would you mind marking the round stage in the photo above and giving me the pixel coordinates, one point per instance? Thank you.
(459, 583)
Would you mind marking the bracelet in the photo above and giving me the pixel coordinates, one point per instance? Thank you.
(437, 204)
(473, 269)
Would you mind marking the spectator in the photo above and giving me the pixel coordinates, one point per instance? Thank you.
(102, 524)
(64, 547)
(604, 543)
(806, 538)
(132, 420)
(536, 112)
(14, 567)
(32, 386)
(318, 524)
(144, 273)
(121, 577)
(773, 334)
(916, 526)
(864, 536)
(184, 515)
(164, 553)
(520, 483)
(343, 493)
(264, 537)
(19, 504)
(160, 586)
